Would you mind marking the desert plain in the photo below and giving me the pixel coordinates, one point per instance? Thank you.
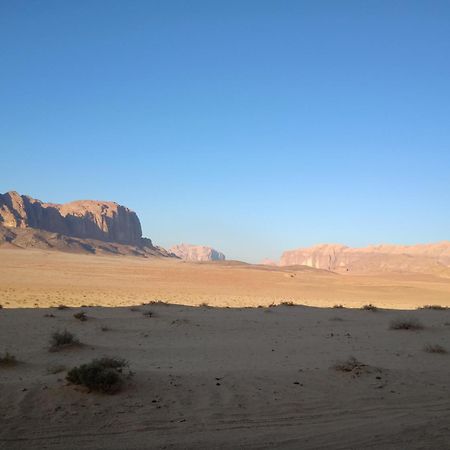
(223, 355)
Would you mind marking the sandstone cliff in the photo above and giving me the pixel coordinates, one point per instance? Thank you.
(340, 258)
(190, 252)
(86, 219)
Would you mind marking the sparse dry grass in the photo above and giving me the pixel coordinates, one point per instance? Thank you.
(435, 348)
(338, 306)
(62, 307)
(370, 307)
(7, 360)
(406, 324)
(287, 303)
(349, 365)
(434, 307)
(81, 316)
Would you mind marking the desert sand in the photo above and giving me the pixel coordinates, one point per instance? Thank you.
(230, 375)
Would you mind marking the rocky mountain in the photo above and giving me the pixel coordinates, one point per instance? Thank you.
(190, 252)
(87, 219)
(86, 226)
(340, 258)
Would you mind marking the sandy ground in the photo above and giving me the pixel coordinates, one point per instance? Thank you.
(229, 378)
(225, 378)
(31, 278)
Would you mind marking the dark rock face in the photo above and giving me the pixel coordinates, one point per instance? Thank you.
(86, 219)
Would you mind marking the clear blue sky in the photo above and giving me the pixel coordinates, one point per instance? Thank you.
(251, 126)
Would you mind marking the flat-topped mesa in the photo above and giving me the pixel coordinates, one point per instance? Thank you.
(86, 219)
(197, 253)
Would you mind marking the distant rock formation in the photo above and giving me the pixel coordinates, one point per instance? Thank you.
(190, 252)
(85, 226)
(268, 262)
(86, 219)
(340, 258)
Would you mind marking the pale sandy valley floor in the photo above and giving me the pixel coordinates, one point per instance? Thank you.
(218, 377)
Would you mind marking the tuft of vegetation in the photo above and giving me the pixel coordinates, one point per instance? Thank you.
(273, 305)
(370, 307)
(406, 324)
(349, 365)
(61, 307)
(435, 307)
(148, 314)
(336, 319)
(204, 305)
(287, 303)
(81, 316)
(7, 360)
(435, 348)
(157, 302)
(61, 340)
(102, 375)
(53, 370)
(338, 306)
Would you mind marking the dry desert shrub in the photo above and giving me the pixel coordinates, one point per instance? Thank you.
(204, 305)
(157, 302)
(370, 307)
(53, 370)
(338, 306)
(435, 348)
(7, 360)
(349, 365)
(434, 307)
(63, 339)
(81, 316)
(287, 303)
(102, 375)
(61, 307)
(406, 324)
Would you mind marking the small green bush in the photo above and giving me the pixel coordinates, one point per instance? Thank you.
(63, 339)
(101, 375)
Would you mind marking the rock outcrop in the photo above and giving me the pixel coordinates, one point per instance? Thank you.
(340, 258)
(197, 253)
(86, 219)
